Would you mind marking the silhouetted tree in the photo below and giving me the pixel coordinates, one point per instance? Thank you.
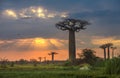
(108, 45)
(40, 59)
(3, 62)
(104, 48)
(12, 64)
(113, 49)
(34, 62)
(22, 61)
(88, 56)
(72, 25)
(52, 54)
(44, 59)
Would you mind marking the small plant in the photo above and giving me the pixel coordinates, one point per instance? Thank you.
(113, 66)
(67, 63)
(34, 62)
(3, 62)
(12, 64)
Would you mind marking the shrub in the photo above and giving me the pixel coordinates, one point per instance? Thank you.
(12, 64)
(3, 62)
(113, 66)
(67, 63)
(88, 55)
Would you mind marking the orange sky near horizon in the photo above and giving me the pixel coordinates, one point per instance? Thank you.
(62, 55)
(28, 27)
(40, 47)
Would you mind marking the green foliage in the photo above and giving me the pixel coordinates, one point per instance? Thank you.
(12, 64)
(22, 61)
(51, 71)
(34, 61)
(3, 62)
(67, 63)
(88, 56)
(113, 66)
(52, 74)
(100, 63)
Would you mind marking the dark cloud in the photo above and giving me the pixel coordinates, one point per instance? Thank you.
(103, 22)
(103, 15)
(29, 29)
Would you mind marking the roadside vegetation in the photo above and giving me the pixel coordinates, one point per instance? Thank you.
(88, 66)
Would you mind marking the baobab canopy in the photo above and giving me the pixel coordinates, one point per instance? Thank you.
(72, 24)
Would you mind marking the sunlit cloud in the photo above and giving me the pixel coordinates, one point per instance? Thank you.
(33, 44)
(33, 12)
(10, 13)
(51, 15)
(1, 42)
(64, 14)
(104, 40)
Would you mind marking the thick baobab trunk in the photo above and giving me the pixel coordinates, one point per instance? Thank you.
(72, 47)
(44, 59)
(52, 57)
(40, 59)
(112, 53)
(108, 52)
(104, 54)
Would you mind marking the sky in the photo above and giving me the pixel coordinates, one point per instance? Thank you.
(27, 27)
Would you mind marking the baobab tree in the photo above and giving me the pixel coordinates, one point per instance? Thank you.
(72, 25)
(52, 54)
(40, 59)
(104, 48)
(113, 49)
(34, 61)
(44, 59)
(3, 62)
(108, 45)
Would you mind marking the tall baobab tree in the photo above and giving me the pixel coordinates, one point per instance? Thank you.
(52, 54)
(44, 59)
(40, 59)
(108, 45)
(72, 25)
(113, 49)
(104, 48)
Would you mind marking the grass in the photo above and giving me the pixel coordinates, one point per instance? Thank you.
(52, 71)
(113, 66)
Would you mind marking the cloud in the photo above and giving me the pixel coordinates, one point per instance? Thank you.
(103, 40)
(33, 12)
(10, 13)
(38, 18)
(32, 44)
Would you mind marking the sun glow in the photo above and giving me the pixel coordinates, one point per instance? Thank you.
(39, 41)
(48, 43)
(40, 10)
(41, 15)
(33, 44)
(58, 43)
